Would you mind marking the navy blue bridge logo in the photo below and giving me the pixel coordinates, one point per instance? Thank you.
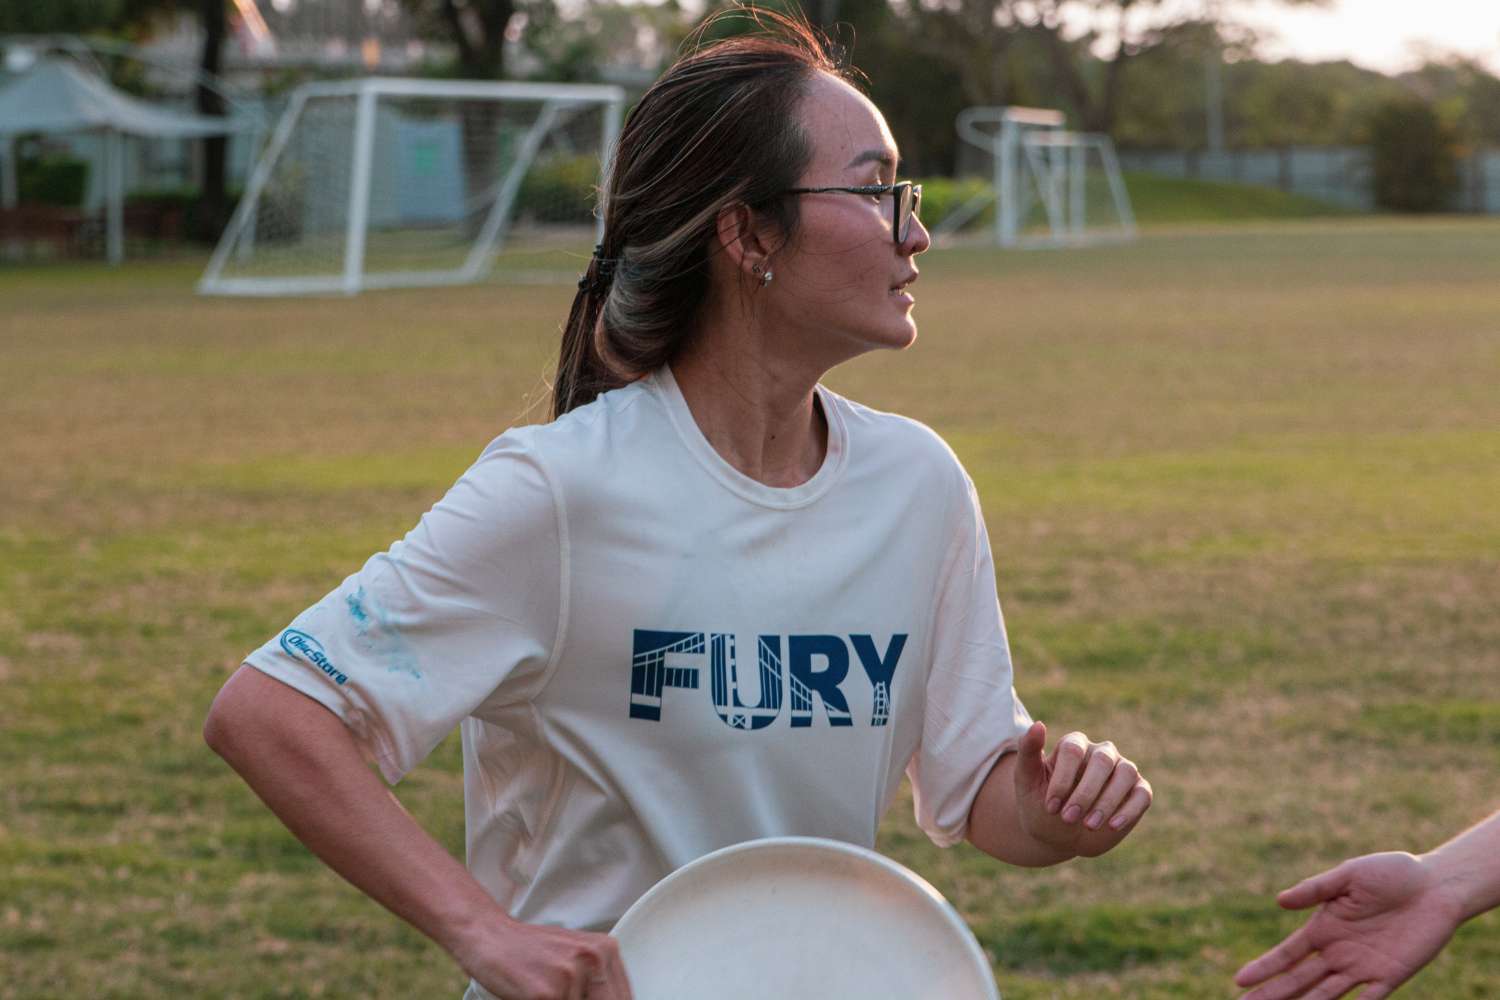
(814, 668)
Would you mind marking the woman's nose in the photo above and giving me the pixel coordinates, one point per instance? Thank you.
(918, 240)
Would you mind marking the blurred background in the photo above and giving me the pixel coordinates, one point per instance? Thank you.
(1360, 106)
(1234, 421)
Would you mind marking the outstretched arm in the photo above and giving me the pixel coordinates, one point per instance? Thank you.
(1036, 810)
(1384, 916)
(303, 763)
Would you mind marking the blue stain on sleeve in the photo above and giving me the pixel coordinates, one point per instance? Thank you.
(379, 636)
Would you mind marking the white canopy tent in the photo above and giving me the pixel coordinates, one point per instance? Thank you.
(56, 96)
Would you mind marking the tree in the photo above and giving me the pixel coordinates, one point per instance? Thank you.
(600, 35)
(213, 207)
(1084, 46)
(476, 28)
(27, 17)
(919, 95)
(1415, 164)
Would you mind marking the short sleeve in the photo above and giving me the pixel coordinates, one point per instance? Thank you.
(972, 715)
(458, 618)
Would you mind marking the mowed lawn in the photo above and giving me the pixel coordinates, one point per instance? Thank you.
(1243, 486)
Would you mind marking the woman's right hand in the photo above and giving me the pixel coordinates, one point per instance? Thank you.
(516, 961)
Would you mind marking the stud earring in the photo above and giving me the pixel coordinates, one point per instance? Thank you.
(765, 279)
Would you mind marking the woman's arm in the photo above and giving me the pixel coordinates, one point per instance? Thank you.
(1035, 810)
(1384, 917)
(304, 764)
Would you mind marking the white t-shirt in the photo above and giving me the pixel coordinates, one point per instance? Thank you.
(653, 656)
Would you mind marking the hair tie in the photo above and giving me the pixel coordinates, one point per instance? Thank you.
(600, 273)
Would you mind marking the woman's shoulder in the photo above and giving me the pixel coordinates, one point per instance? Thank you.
(898, 438)
(576, 427)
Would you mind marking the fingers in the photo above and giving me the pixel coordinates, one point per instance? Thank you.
(1333, 987)
(1294, 983)
(1314, 890)
(1288, 953)
(1121, 783)
(1135, 806)
(1068, 760)
(1093, 783)
(1097, 771)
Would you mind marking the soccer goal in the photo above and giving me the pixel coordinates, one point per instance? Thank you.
(385, 183)
(1049, 187)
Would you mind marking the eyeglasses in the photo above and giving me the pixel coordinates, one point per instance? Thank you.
(906, 203)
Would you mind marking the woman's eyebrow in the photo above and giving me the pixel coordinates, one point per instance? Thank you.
(884, 157)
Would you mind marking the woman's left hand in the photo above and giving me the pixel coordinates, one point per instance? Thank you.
(1083, 798)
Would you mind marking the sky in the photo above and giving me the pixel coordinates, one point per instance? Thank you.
(1386, 35)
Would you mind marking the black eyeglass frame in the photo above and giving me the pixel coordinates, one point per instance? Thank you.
(912, 194)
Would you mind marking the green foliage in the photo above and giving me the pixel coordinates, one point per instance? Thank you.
(941, 196)
(920, 96)
(560, 189)
(82, 17)
(1467, 96)
(1265, 104)
(58, 16)
(52, 180)
(1415, 163)
(181, 198)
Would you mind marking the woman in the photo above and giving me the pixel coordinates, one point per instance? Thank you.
(587, 599)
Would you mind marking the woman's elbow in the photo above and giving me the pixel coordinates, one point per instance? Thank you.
(232, 712)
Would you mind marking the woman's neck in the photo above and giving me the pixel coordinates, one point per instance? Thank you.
(760, 414)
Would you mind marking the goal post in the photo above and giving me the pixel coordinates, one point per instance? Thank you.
(1049, 187)
(385, 183)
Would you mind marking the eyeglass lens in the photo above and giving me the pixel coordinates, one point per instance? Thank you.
(909, 199)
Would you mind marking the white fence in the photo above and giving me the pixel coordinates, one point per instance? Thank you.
(1337, 174)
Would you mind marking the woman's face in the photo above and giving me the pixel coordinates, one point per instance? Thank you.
(841, 282)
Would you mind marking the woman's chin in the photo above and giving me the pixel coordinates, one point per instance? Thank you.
(903, 335)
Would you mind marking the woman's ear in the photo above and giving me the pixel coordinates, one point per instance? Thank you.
(746, 240)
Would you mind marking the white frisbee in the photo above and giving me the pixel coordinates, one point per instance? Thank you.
(799, 918)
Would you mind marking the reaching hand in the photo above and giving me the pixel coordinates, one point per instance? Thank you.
(1084, 798)
(1383, 917)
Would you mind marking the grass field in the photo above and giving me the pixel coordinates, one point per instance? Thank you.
(1243, 486)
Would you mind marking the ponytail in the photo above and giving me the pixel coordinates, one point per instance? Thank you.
(582, 372)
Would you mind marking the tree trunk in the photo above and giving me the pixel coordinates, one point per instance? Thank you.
(478, 31)
(213, 207)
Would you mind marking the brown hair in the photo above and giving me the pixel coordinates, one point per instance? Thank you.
(718, 128)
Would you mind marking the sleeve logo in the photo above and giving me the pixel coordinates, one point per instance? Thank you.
(303, 646)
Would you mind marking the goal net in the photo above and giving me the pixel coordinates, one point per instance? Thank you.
(1046, 186)
(382, 183)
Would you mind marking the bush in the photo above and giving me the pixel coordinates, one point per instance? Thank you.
(165, 197)
(1414, 157)
(559, 189)
(52, 180)
(942, 196)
